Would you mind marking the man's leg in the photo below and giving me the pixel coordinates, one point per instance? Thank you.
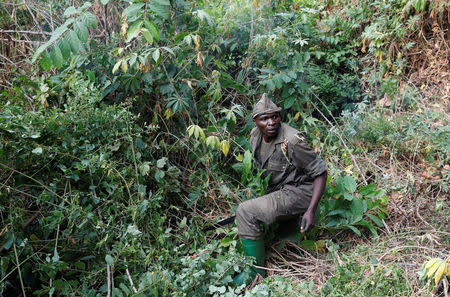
(251, 215)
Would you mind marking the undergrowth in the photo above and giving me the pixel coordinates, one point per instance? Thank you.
(116, 149)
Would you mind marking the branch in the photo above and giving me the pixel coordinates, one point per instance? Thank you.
(26, 32)
(108, 280)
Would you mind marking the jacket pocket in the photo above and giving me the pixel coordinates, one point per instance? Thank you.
(276, 166)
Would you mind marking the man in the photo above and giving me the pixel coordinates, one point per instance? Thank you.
(298, 178)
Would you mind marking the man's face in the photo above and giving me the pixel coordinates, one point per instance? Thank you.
(268, 124)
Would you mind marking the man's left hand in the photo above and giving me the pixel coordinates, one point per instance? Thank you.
(307, 221)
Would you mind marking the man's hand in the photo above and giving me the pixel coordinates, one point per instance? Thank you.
(307, 221)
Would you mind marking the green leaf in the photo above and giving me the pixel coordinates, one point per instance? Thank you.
(132, 10)
(147, 35)
(109, 260)
(89, 20)
(247, 161)
(82, 31)
(40, 50)
(45, 62)
(152, 29)
(354, 229)
(156, 54)
(160, 8)
(289, 102)
(161, 162)
(104, 2)
(56, 57)
(159, 175)
(74, 41)
(348, 196)
(91, 75)
(64, 46)
(376, 220)
(85, 5)
(70, 10)
(116, 292)
(356, 207)
(125, 289)
(349, 184)
(133, 31)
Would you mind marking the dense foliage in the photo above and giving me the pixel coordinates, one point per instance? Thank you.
(130, 130)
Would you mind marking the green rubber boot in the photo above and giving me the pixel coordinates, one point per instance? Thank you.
(256, 249)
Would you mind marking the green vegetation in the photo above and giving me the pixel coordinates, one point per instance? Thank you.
(124, 131)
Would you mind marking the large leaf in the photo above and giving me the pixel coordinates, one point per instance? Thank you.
(160, 8)
(89, 20)
(376, 220)
(56, 57)
(70, 10)
(74, 42)
(82, 31)
(354, 229)
(133, 31)
(156, 54)
(148, 36)
(64, 46)
(40, 50)
(356, 207)
(55, 35)
(131, 11)
(151, 27)
(46, 62)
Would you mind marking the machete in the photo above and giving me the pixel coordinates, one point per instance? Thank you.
(219, 224)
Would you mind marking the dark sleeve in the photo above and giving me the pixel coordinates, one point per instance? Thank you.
(304, 157)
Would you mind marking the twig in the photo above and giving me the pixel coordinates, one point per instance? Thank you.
(20, 273)
(340, 138)
(34, 18)
(411, 247)
(270, 269)
(27, 32)
(108, 279)
(130, 280)
(386, 226)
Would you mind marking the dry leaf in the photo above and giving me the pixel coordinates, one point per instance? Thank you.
(386, 101)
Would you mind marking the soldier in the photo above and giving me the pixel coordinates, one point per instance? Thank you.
(297, 182)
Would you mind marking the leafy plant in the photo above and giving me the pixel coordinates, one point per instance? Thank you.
(436, 269)
(344, 206)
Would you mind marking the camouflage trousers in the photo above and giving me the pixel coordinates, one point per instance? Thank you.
(283, 206)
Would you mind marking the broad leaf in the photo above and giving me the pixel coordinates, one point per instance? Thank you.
(89, 20)
(82, 31)
(156, 54)
(56, 57)
(160, 8)
(117, 65)
(45, 62)
(133, 31)
(225, 146)
(354, 229)
(74, 41)
(70, 10)
(64, 46)
(152, 29)
(147, 35)
(376, 220)
(132, 10)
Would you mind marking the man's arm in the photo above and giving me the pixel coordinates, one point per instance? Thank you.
(318, 188)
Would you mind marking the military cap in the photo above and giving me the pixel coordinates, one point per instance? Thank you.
(264, 105)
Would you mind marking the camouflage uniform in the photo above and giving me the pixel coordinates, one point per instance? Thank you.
(293, 165)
